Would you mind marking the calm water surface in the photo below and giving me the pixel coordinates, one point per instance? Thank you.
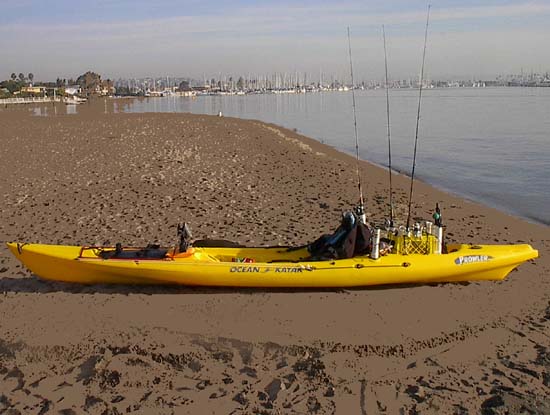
(490, 145)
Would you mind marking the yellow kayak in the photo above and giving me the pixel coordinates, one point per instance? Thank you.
(268, 267)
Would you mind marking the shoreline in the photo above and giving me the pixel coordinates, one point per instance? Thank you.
(97, 177)
(403, 175)
(473, 197)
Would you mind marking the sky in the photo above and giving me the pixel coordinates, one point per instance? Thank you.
(138, 38)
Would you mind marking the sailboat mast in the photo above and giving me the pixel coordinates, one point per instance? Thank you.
(361, 208)
(418, 117)
(388, 119)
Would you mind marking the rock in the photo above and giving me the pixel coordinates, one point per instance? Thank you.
(493, 402)
(274, 388)
(241, 398)
(281, 364)
(313, 404)
(312, 367)
(109, 379)
(460, 410)
(289, 380)
(195, 365)
(92, 401)
(416, 392)
(88, 369)
(247, 370)
(329, 393)
(203, 384)
(267, 405)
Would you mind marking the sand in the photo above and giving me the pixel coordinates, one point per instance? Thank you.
(481, 347)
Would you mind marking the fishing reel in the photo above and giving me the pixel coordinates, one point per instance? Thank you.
(437, 216)
(360, 214)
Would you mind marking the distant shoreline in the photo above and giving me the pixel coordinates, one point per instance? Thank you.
(30, 100)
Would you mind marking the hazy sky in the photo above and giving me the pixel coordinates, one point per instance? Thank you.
(136, 38)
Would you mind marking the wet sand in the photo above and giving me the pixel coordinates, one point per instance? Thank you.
(481, 347)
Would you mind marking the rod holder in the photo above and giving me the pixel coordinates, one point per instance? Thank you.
(375, 252)
(439, 248)
(429, 228)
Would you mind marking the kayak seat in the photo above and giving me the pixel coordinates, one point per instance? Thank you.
(345, 242)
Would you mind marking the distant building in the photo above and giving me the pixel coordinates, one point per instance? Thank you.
(33, 90)
(106, 88)
(73, 90)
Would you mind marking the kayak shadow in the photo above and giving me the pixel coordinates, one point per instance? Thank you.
(35, 285)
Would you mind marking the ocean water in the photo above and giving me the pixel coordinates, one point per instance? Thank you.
(491, 145)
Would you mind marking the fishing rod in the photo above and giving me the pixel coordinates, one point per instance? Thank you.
(389, 132)
(361, 208)
(418, 116)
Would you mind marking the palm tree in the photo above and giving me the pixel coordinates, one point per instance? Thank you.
(13, 76)
(21, 76)
(30, 76)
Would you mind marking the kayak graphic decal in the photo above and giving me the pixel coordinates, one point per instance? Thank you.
(289, 269)
(244, 269)
(470, 259)
(259, 269)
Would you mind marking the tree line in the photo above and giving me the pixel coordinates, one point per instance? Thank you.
(89, 82)
(22, 77)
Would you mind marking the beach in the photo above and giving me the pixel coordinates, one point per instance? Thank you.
(96, 178)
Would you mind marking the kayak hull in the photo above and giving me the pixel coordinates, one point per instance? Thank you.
(271, 267)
